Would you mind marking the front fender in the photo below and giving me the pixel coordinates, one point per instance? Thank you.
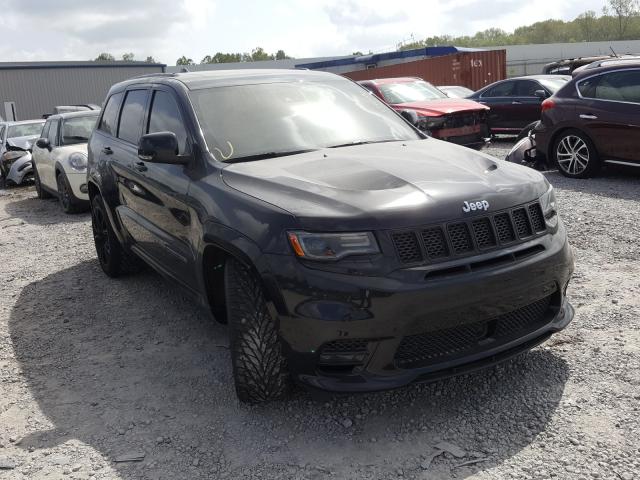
(18, 171)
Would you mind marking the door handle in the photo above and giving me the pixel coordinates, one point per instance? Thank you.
(140, 166)
(588, 116)
(107, 150)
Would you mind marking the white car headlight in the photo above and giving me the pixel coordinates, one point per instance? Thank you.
(332, 246)
(78, 161)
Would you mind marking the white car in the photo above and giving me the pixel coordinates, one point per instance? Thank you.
(60, 159)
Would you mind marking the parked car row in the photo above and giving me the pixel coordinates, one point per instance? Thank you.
(593, 120)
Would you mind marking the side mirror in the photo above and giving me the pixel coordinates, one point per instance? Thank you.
(542, 94)
(43, 143)
(160, 147)
(410, 116)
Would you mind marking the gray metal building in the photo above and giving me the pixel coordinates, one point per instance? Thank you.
(31, 89)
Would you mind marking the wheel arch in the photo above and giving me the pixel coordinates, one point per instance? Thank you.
(558, 132)
(221, 244)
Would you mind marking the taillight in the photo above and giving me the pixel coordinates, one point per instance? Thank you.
(548, 104)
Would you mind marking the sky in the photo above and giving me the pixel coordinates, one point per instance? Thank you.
(35, 30)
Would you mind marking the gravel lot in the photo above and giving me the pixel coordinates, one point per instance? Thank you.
(93, 371)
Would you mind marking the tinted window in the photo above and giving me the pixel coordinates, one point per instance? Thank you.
(553, 84)
(527, 88)
(131, 116)
(504, 89)
(621, 86)
(165, 117)
(110, 114)
(245, 120)
(53, 132)
(587, 88)
(77, 129)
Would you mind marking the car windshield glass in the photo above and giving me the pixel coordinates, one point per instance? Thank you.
(407, 92)
(554, 84)
(24, 130)
(77, 129)
(260, 121)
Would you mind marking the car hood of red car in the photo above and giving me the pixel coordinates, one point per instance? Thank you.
(443, 106)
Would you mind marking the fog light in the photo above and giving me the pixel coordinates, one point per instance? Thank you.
(83, 188)
(342, 358)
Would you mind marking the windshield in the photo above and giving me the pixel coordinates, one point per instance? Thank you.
(407, 92)
(261, 119)
(554, 84)
(77, 129)
(24, 130)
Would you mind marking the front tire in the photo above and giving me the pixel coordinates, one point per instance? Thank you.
(114, 259)
(256, 351)
(65, 195)
(575, 155)
(41, 192)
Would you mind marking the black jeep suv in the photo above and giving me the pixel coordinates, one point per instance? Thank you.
(344, 249)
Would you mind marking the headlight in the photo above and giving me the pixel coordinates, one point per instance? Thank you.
(332, 246)
(549, 207)
(428, 123)
(78, 161)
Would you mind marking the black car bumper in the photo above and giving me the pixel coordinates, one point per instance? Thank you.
(360, 333)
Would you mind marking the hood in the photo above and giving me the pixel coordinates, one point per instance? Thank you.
(442, 106)
(384, 185)
(23, 143)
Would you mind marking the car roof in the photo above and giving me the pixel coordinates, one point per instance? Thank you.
(620, 65)
(81, 113)
(383, 81)
(223, 78)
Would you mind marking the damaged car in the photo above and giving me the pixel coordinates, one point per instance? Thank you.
(456, 120)
(15, 150)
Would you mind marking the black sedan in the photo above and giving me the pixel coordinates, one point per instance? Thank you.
(516, 103)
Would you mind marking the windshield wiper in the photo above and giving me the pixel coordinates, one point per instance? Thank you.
(363, 142)
(266, 155)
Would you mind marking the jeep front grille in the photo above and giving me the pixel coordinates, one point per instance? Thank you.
(436, 243)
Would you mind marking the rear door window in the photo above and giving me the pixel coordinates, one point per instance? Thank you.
(504, 89)
(110, 114)
(165, 117)
(527, 88)
(132, 116)
(621, 86)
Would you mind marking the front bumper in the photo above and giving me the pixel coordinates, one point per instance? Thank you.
(320, 309)
(473, 136)
(20, 169)
(78, 183)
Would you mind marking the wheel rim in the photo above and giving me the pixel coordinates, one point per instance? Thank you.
(65, 200)
(572, 154)
(101, 235)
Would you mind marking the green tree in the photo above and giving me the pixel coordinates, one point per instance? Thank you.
(105, 57)
(280, 55)
(258, 54)
(184, 61)
(623, 11)
(150, 59)
(587, 22)
(128, 57)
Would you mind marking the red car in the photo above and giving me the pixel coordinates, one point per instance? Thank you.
(456, 120)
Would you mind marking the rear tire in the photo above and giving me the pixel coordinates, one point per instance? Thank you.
(41, 192)
(114, 259)
(256, 351)
(575, 155)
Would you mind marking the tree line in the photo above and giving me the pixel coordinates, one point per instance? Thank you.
(256, 55)
(618, 20)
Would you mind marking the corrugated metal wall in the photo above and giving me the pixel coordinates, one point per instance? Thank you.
(36, 91)
(469, 69)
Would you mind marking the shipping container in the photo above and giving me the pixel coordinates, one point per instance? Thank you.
(473, 70)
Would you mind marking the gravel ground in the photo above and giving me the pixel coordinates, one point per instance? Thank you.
(95, 372)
